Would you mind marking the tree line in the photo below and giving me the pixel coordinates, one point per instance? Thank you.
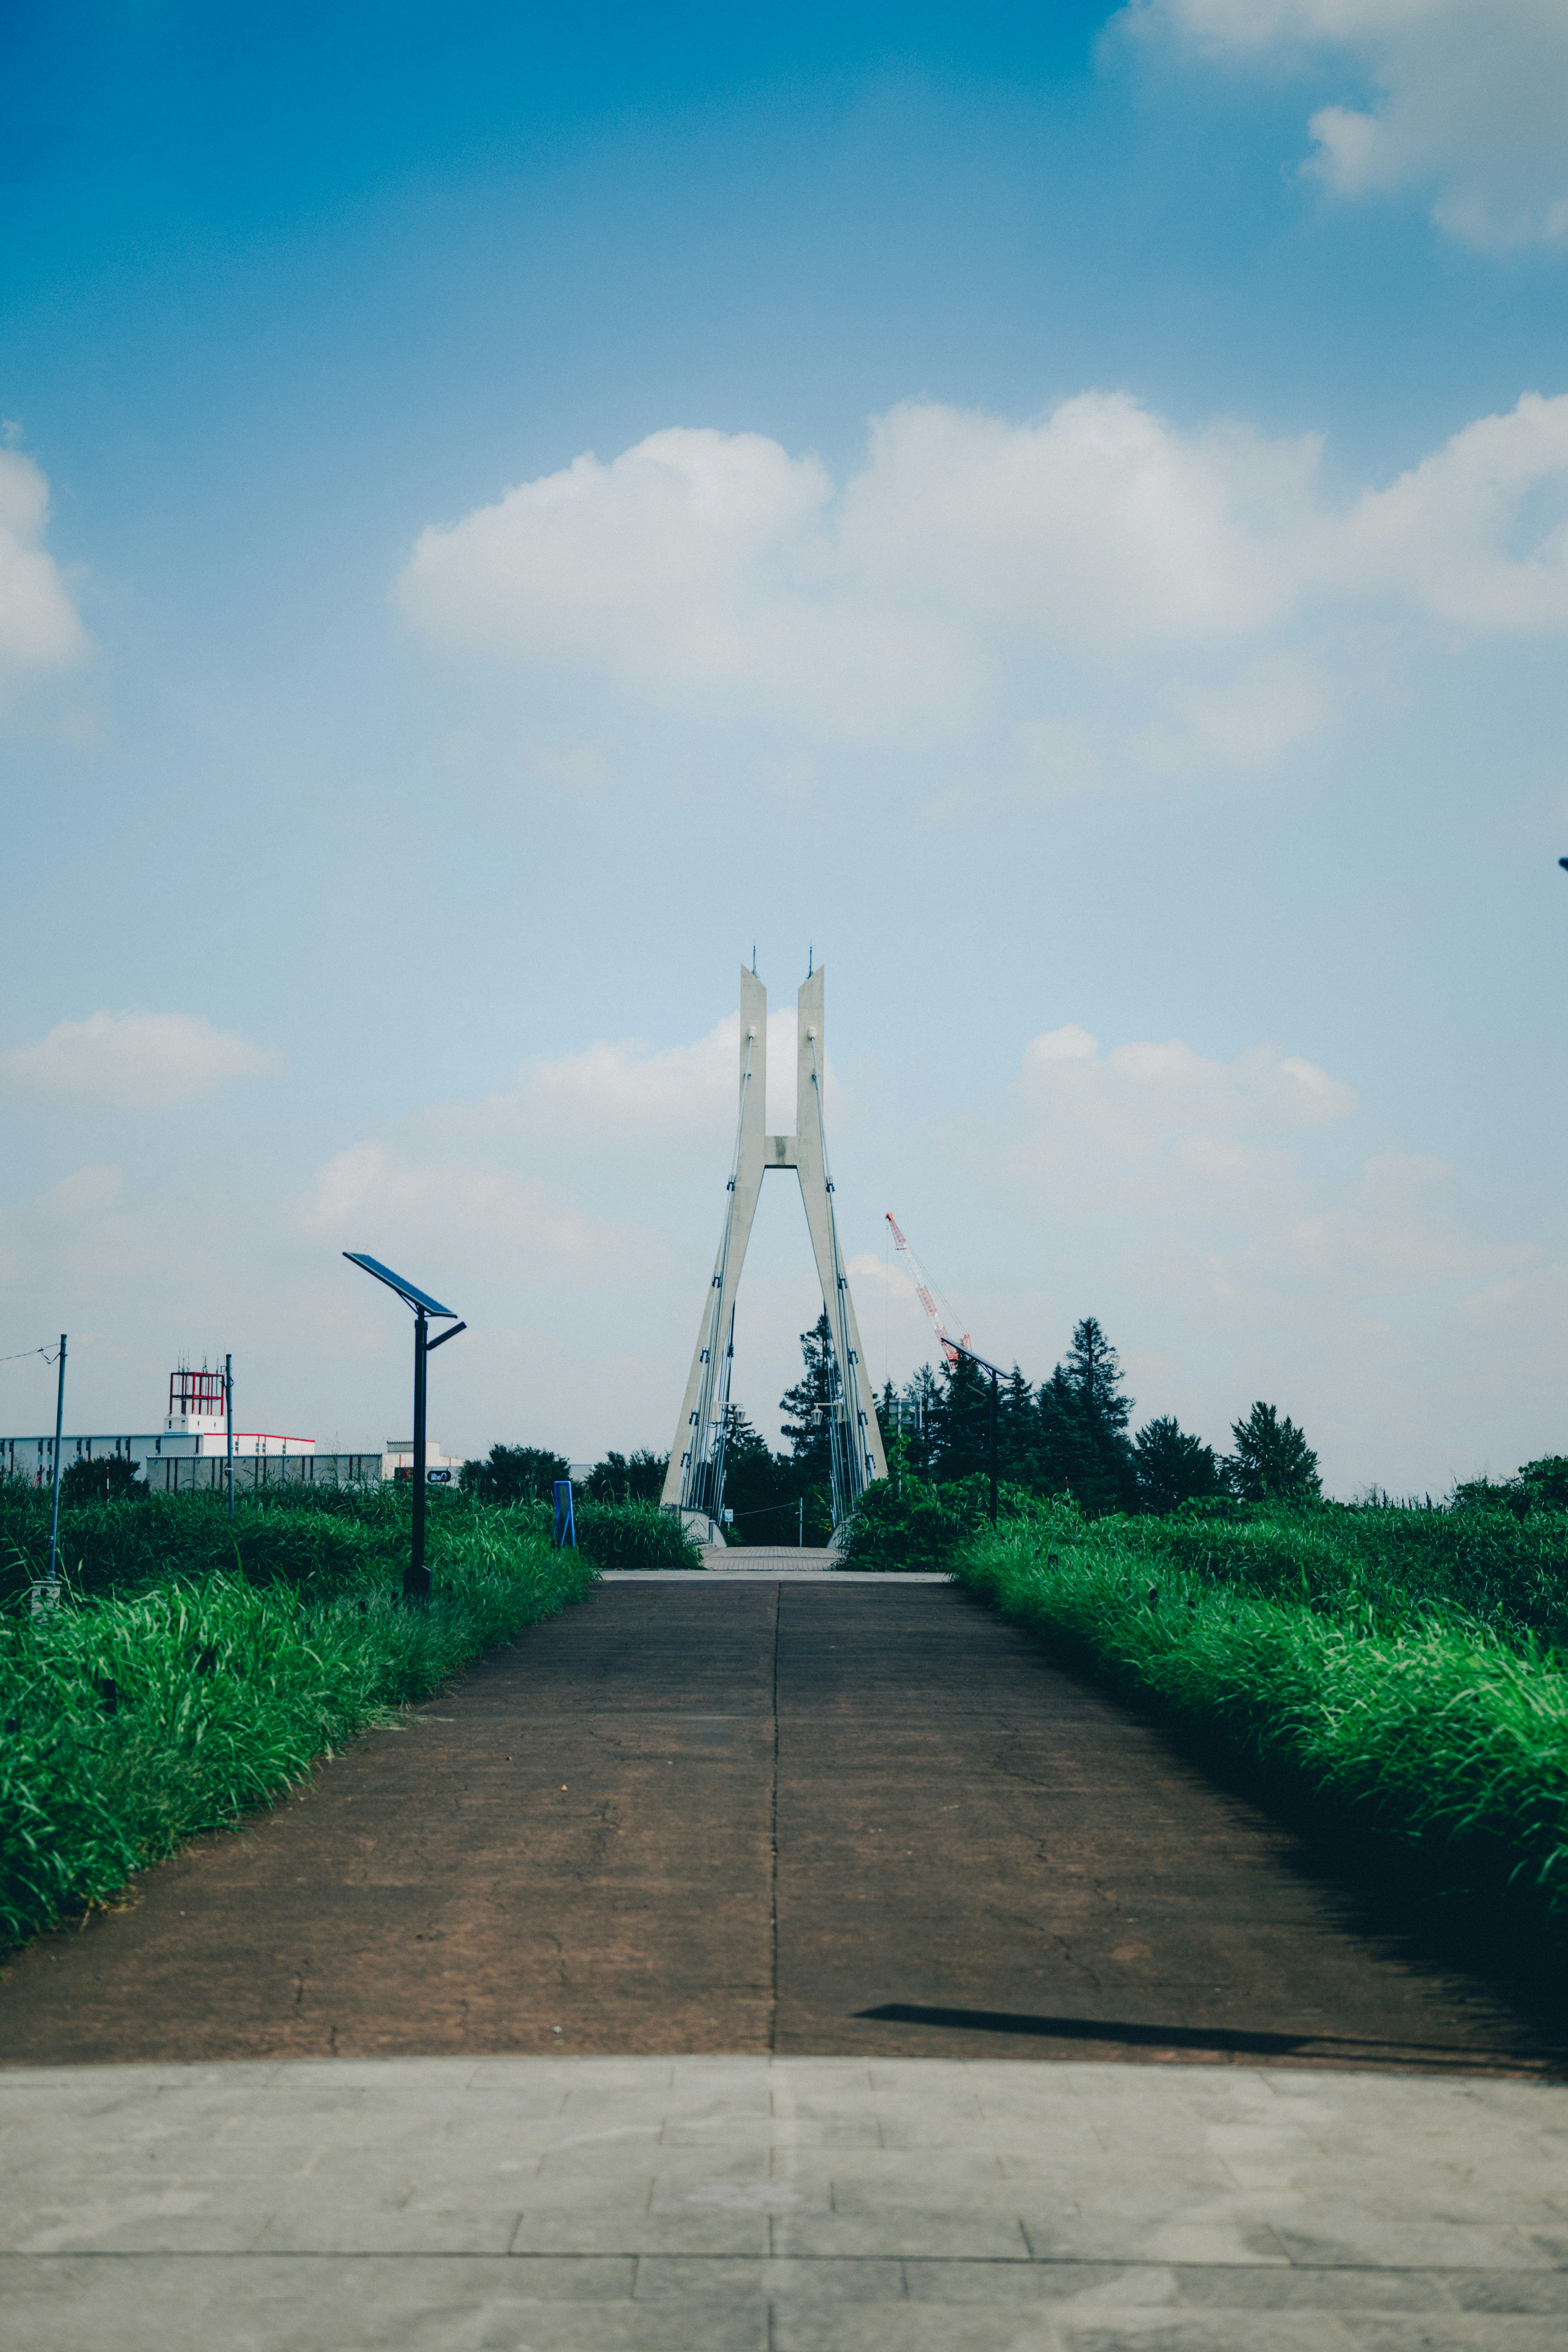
(1068, 1434)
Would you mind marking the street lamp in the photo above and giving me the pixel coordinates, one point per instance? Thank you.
(417, 1576)
(958, 1348)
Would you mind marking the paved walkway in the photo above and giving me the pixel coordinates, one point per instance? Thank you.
(868, 1850)
(768, 1559)
(800, 2205)
(816, 1817)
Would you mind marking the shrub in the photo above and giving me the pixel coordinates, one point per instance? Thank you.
(108, 1479)
(633, 1535)
(911, 1524)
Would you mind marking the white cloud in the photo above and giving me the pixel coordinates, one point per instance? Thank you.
(38, 624)
(625, 1091)
(1111, 1126)
(1478, 531)
(716, 570)
(1470, 99)
(1247, 723)
(1242, 1236)
(696, 563)
(712, 568)
(140, 1061)
(466, 1213)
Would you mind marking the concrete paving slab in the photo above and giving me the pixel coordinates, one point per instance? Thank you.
(1399, 2212)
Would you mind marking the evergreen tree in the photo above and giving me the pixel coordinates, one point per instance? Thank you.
(1016, 1438)
(758, 1488)
(1094, 1374)
(962, 1419)
(1171, 1468)
(1082, 1413)
(805, 1406)
(1272, 1462)
(1073, 1455)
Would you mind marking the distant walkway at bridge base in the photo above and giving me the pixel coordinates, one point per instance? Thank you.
(772, 1560)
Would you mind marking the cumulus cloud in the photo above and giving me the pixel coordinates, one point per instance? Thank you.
(136, 1061)
(1478, 531)
(1469, 99)
(1243, 1236)
(696, 563)
(623, 1091)
(1246, 722)
(716, 570)
(39, 629)
(1158, 1120)
(472, 1212)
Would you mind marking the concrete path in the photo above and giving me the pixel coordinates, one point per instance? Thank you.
(870, 1850)
(819, 1817)
(795, 2205)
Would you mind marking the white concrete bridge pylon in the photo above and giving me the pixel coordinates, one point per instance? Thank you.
(695, 1481)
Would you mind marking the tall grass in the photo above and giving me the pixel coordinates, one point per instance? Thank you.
(296, 1535)
(1440, 1730)
(1394, 1561)
(161, 1705)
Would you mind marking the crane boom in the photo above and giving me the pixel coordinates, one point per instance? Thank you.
(923, 1293)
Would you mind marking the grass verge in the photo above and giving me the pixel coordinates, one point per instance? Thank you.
(1437, 1730)
(135, 1717)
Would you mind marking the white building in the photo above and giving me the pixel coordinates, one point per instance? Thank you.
(398, 1463)
(192, 1447)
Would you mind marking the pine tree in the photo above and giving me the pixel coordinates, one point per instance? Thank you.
(1094, 1373)
(1173, 1467)
(1083, 1412)
(963, 1421)
(1272, 1462)
(757, 1488)
(807, 1409)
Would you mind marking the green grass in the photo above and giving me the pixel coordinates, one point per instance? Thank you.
(168, 1701)
(1294, 1636)
(1394, 1561)
(296, 1534)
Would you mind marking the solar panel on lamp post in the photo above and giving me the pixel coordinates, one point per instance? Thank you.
(416, 1577)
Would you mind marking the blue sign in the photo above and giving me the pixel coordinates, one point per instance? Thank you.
(565, 1522)
(437, 1477)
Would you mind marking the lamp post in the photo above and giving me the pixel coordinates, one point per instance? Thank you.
(960, 1350)
(416, 1582)
(228, 1424)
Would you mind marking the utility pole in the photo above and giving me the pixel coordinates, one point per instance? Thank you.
(228, 1422)
(55, 1514)
(993, 1449)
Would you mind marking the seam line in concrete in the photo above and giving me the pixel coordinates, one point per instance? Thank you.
(773, 1840)
(1271, 2266)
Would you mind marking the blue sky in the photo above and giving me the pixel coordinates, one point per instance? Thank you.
(1060, 513)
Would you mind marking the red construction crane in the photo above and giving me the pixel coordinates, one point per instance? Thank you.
(923, 1293)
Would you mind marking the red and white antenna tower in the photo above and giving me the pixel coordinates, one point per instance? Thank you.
(923, 1293)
